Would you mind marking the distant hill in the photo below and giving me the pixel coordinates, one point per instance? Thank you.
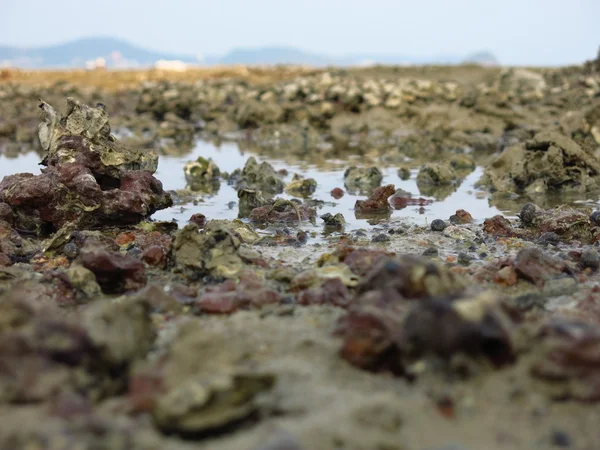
(272, 56)
(482, 58)
(118, 53)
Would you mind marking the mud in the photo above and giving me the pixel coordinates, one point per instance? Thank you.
(331, 259)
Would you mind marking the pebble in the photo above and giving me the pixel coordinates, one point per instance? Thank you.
(381, 238)
(70, 250)
(548, 238)
(431, 251)
(590, 258)
(464, 259)
(595, 218)
(438, 225)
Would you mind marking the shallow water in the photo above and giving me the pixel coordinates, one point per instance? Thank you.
(329, 174)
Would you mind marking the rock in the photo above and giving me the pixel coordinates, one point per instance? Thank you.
(462, 163)
(380, 238)
(464, 259)
(521, 84)
(229, 297)
(550, 162)
(332, 292)
(314, 278)
(529, 213)
(567, 359)
(567, 223)
(476, 326)
(499, 226)
(461, 217)
(595, 218)
(115, 273)
(362, 179)
(459, 233)
(85, 282)
(412, 277)
(90, 178)
(260, 177)
(122, 331)
(300, 186)
(559, 286)
(336, 221)
(506, 276)
(430, 252)
(548, 238)
(244, 232)
(283, 211)
(590, 259)
(337, 193)
(378, 202)
(197, 406)
(249, 199)
(438, 225)
(435, 174)
(537, 267)
(403, 173)
(202, 175)
(198, 219)
(213, 253)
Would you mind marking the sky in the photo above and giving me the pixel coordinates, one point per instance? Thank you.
(519, 32)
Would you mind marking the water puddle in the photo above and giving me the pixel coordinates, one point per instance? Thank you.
(329, 174)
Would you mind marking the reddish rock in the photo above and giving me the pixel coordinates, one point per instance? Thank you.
(144, 389)
(199, 219)
(378, 202)
(115, 273)
(337, 193)
(362, 260)
(499, 226)
(125, 238)
(230, 296)
(89, 177)
(155, 256)
(332, 292)
(463, 216)
(371, 341)
(538, 267)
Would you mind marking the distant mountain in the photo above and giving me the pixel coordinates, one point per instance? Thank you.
(115, 52)
(112, 52)
(272, 56)
(482, 58)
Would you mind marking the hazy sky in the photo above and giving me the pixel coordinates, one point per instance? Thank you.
(516, 31)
